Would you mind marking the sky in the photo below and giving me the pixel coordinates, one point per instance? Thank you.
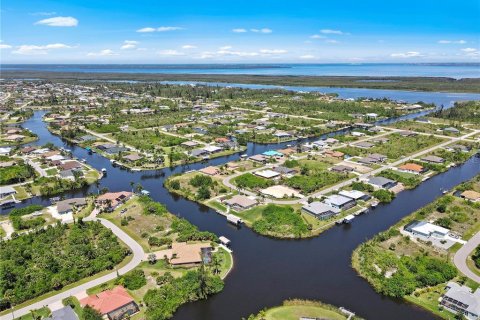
(242, 31)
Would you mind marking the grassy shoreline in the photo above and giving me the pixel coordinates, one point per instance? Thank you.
(440, 84)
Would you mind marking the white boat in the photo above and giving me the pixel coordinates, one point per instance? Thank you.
(234, 219)
(104, 170)
(348, 218)
(374, 204)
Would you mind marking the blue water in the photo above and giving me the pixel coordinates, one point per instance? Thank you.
(466, 70)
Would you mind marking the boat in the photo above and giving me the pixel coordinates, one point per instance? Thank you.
(445, 191)
(104, 170)
(374, 204)
(348, 219)
(112, 161)
(233, 219)
(225, 241)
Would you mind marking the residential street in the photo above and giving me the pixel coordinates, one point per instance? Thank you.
(461, 256)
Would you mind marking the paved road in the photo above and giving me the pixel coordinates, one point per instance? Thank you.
(138, 256)
(460, 259)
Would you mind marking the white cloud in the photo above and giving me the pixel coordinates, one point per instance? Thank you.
(237, 53)
(43, 13)
(469, 49)
(59, 22)
(102, 53)
(146, 29)
(170, 53)
(410, 54)
(452, 41)
(34, 49)
(317, 36)
(129, 44)
(307, 56)
(331, 41)
(263, 30)
(163, 29)
(273, 51)
(330, 31)
(159, 29)
(189, 46)
(471, 52)
(5, 46)
(225, 47)
(207, 55)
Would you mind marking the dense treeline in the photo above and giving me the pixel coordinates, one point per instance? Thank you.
(194, 285)
(468, 111)
(36, 263)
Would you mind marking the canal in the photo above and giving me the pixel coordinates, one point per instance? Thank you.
(268, 271)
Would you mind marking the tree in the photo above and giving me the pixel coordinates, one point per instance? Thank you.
(203, 193)
(216, 264)
(152, 258)
(91, 314)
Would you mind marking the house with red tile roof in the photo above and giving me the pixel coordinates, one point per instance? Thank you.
(116, 303)
(111, 200)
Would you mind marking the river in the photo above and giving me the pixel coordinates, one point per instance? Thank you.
(268, 271)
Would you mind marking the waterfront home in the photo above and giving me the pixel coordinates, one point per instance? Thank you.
(471, 195)
(212, 149)
(272, 153)
(412, 168)
(6, 191)
(67, 206)
(354, 194)
(287, 152)
(433, 159)
(114, 304)
(267, 174)
(320, 210)
(132, 157)
(198, 152)
(258, 158)
(240, 202)
(70, 165)
(460, 299)
(210, 171)
(340, 202)
(111, 200)
(381, 182)
(426, 229)
(190, 254)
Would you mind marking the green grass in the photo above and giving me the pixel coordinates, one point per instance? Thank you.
(75, 304)
(226, 259)
(22, 193)
(52, 171)
(43, 313)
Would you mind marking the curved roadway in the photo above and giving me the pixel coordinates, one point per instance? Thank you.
(461, 256)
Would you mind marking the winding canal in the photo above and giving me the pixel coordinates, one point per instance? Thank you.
(268, 271)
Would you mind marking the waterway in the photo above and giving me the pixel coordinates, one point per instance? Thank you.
(268, 271)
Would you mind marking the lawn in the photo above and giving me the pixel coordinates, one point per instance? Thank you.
(36, 314)
(51, 171)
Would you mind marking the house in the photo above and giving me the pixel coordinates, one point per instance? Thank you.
(471, 195)
(381, 182)
(341, 169)
(67, 206)
(65, 313)
(258, 158)
(69, 165)
(115, 304)
(407, 133)
(132, 157)
(240, 202)
(433, 159)
(272, 153)
(377, 157)
(451, 130)
(187, 254)
(211, 171)
(232, 166)
(364, 145)
(334, 154)
(357, 134)
(280, 191)
(412, 168)
(340, 202)
(426, 229)
(189, 144)
(380, 140)
(267, 174)
(320, 210)
(5, 151)
(460, 299)
(198, 153)
(287, 152)
(111, 200)
(212, 149)
(458, 147)
(354, 194)
(6, 191)
(284, 170)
